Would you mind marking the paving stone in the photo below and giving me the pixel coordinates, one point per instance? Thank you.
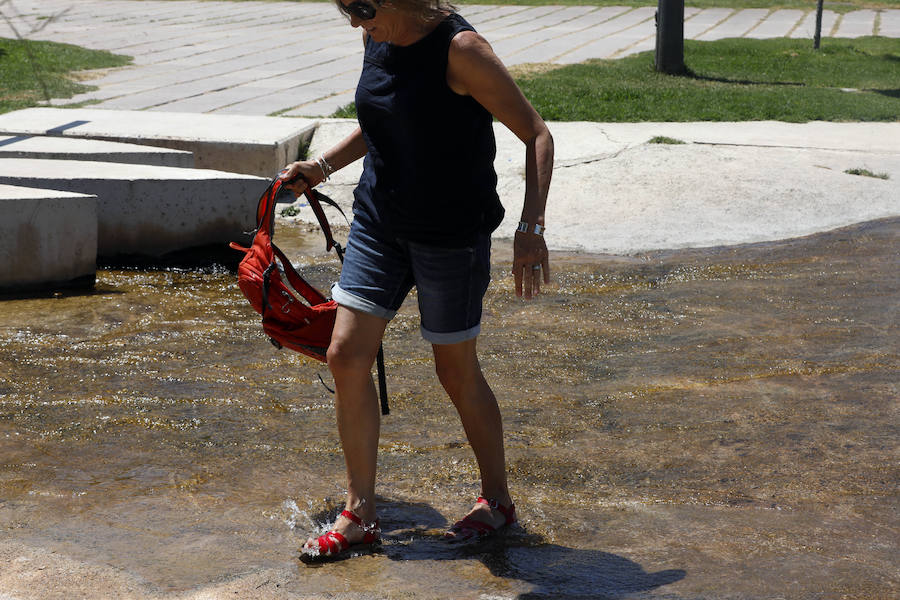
(584, 30)
(703, 21)
(807, 27)
(778, 24)
(613, 35)
(736, 25)
(856, 24)
(890, 23)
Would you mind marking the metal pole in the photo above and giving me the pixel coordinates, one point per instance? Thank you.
(818, 35)
(670, 37)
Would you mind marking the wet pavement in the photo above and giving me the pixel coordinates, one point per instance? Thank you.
(712, 423)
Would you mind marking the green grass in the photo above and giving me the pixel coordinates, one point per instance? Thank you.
(867, 173)
(661, 139)
(729, 80)
(28, 74)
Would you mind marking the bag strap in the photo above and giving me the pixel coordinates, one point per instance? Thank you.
(315, 199)
(311, 294)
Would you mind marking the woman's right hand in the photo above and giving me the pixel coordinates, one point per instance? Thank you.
(310, 174)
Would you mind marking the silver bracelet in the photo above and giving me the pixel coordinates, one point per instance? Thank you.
(525, 227)
(327, 169)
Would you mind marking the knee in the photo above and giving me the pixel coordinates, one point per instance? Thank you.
(345, 356)
(456, 377)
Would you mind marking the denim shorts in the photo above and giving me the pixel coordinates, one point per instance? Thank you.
(379, 270)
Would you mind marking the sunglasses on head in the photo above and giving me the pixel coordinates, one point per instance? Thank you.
(361, 10)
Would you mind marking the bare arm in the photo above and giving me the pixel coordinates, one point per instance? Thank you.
(475, 70)
(351, 148)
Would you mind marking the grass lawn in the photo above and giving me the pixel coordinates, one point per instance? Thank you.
(730, 80)
(25, 82)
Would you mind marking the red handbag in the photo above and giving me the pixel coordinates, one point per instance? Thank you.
(295, 315)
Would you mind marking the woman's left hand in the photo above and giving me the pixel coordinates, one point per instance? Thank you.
(530, 260)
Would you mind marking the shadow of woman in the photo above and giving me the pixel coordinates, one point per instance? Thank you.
(413, 531)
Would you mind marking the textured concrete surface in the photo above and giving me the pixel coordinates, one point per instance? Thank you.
(47, 238)
(149, 210)
(60, 148)
(729, 183)
(239, 144)
(303, 58)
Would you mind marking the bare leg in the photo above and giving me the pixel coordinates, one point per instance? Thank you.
(460, 374)
(354, 344)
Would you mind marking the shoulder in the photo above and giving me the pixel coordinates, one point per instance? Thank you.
(468, 41)
(469, 49)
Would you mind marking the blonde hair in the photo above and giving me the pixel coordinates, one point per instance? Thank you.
(426, 10)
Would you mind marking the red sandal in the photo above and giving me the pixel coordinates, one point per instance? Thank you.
(470, 528)
(334, 546)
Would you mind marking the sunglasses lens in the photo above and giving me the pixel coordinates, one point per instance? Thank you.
(360, 10)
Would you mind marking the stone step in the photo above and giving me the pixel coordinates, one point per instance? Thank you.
(60, 148)
(148, 210)
(234, 143)
(48, 239)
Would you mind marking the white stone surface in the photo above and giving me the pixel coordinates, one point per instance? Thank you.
(732, 183)
(48, 238)
(856, 24)
(150, 210)
(60, 148)
(239, 144)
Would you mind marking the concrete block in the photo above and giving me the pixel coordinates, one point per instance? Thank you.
(235, 143)
(148, 210)
(48, 239)
(57, 148)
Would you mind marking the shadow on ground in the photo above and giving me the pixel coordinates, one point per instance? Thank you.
(412, 532)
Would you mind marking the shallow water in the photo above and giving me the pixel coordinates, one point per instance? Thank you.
(692, 424)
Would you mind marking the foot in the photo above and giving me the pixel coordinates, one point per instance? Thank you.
(349, 536)
(486, 518)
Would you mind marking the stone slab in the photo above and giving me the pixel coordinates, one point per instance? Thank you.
(57, 148)
(807, 27)
(778, 24)
(705, 20)
(858, 23)
(48, 239)
(613, 36)
(890, 23)
(737, 25)
(235, 143)
(149, 210)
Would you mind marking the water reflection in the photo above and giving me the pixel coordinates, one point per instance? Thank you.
(664, 413)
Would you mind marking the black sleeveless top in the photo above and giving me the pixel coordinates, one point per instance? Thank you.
(428, 176)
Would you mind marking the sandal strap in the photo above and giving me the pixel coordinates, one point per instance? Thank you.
(508, 512)
(480, 527)
(371, 529)
(331, 543)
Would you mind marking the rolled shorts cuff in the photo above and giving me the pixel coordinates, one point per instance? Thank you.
(354, 302)
(453, 337)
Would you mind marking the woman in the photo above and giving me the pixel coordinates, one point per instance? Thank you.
(424, 210)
